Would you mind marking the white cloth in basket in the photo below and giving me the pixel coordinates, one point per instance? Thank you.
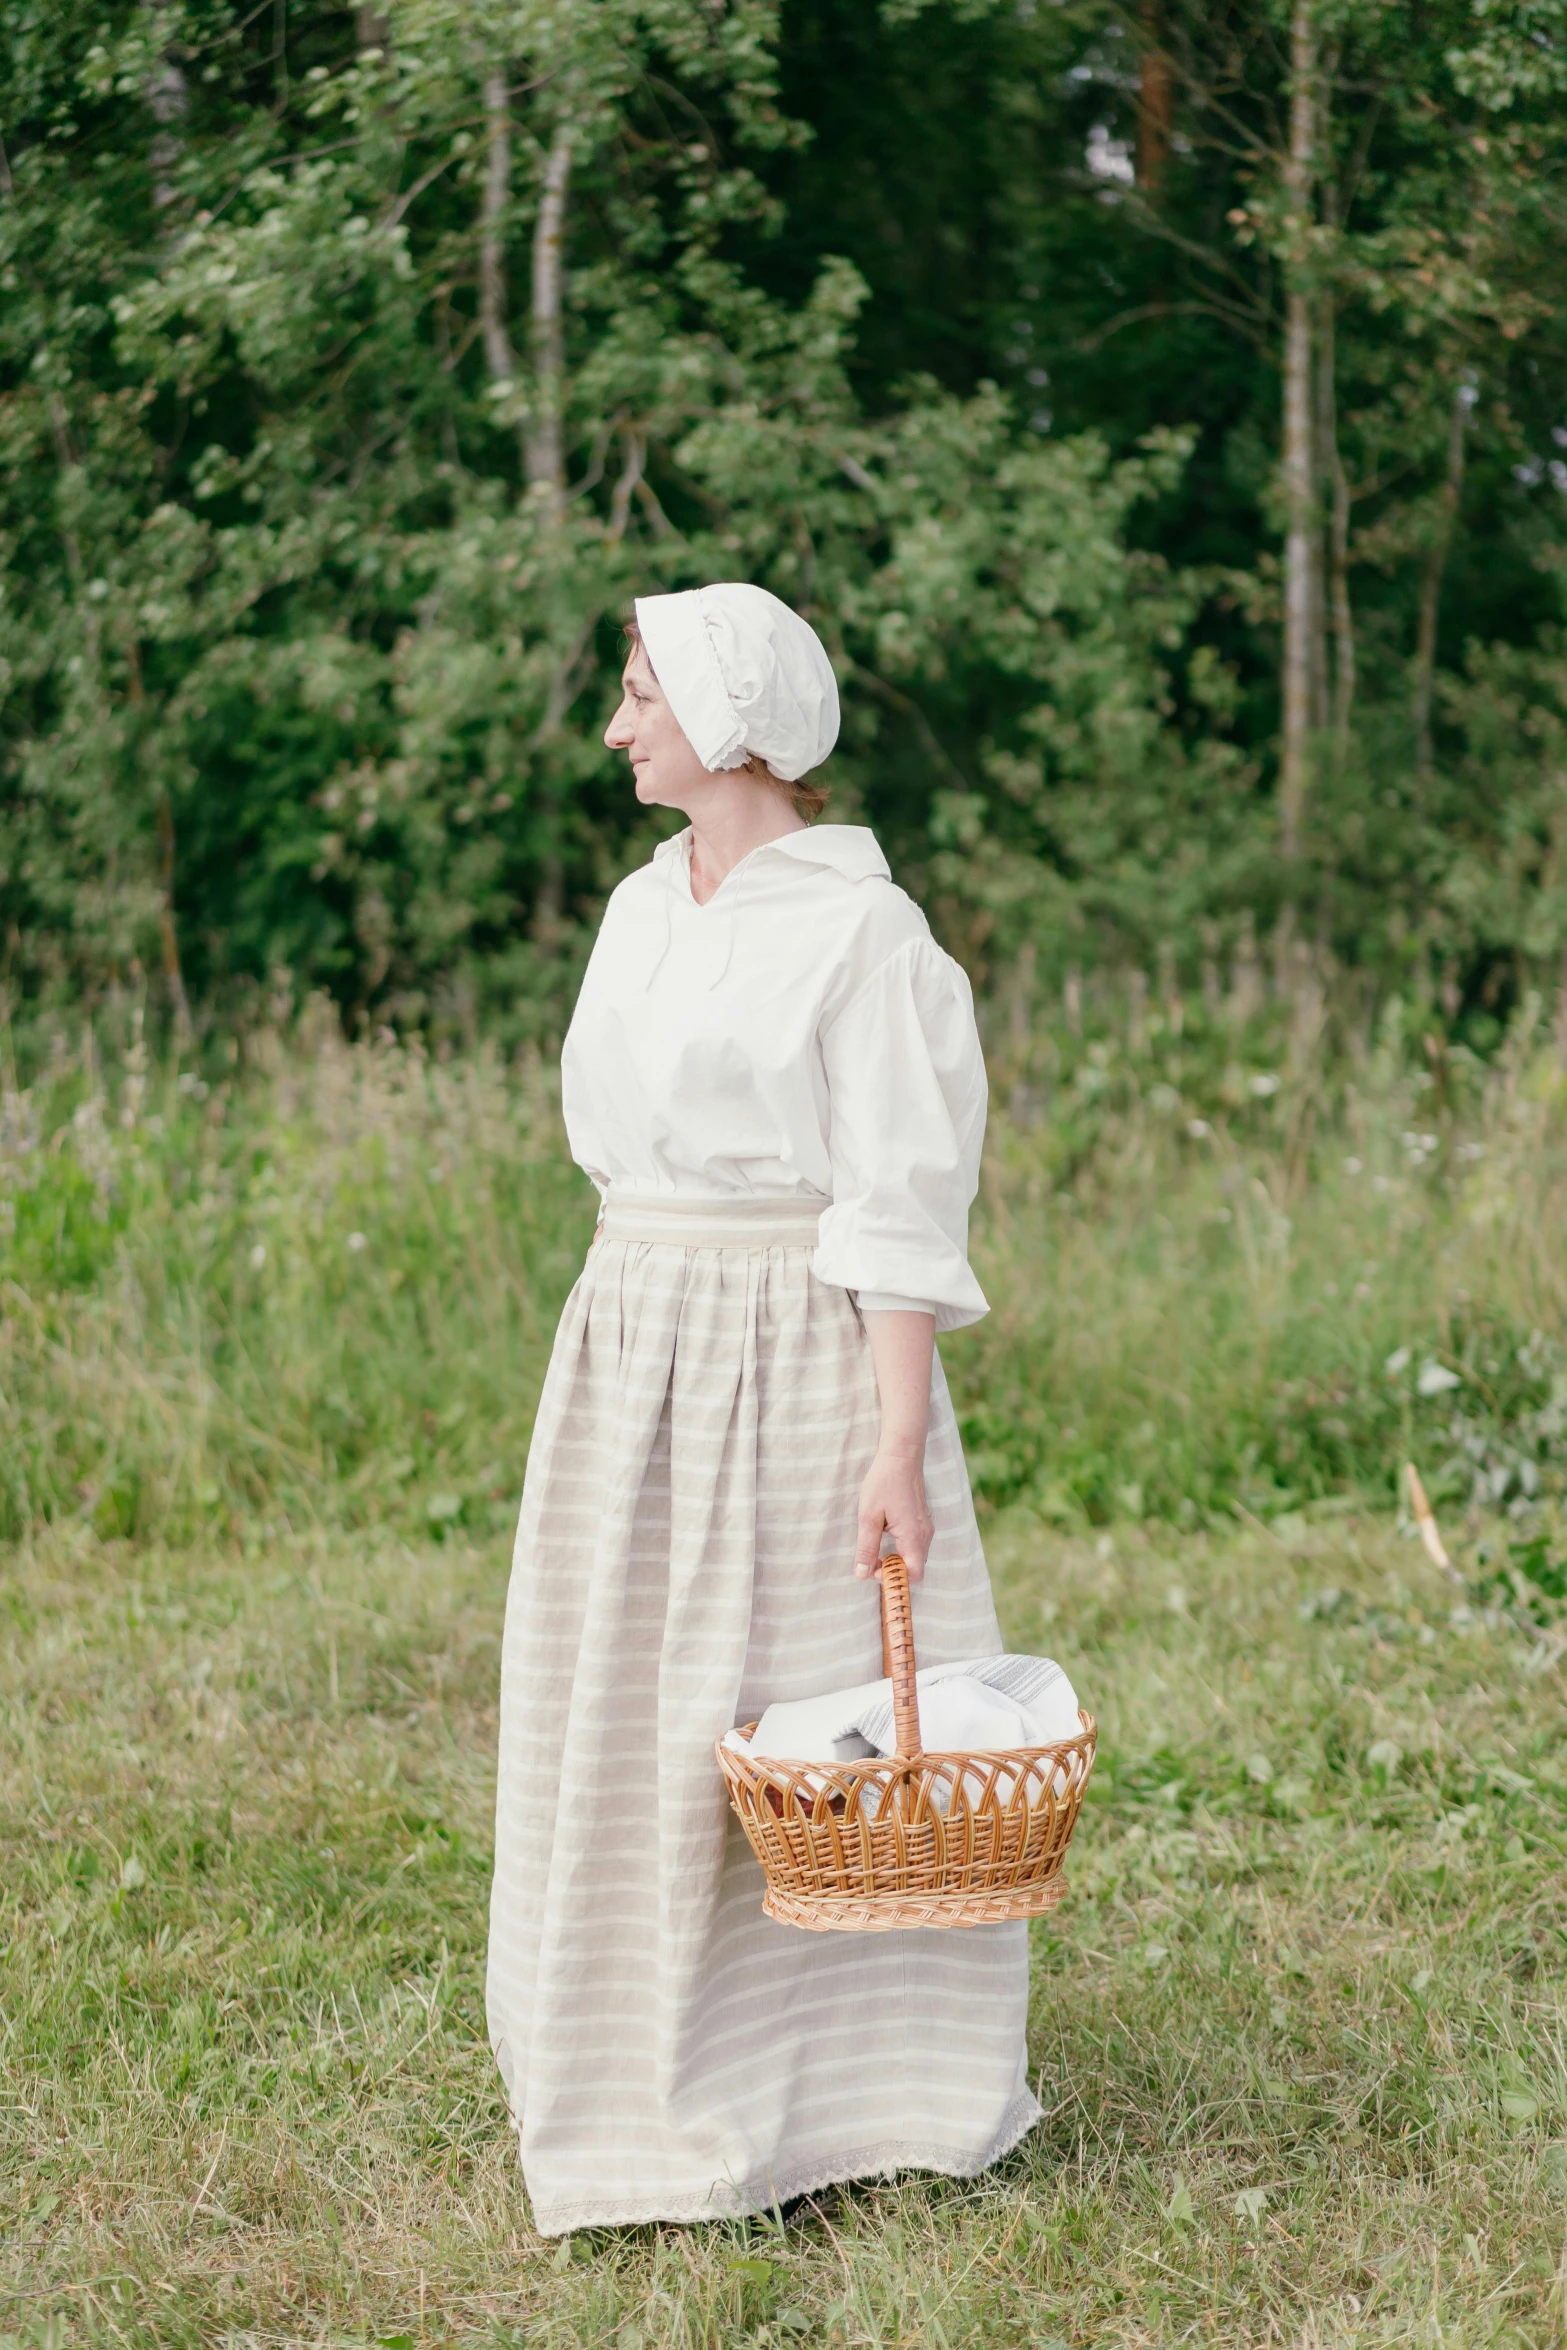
(989, 1704)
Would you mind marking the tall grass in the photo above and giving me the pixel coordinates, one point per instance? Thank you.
(1261, 1277)
(1232, 1268)
(319, 1288)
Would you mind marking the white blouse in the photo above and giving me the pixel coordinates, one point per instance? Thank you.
(800, 1036)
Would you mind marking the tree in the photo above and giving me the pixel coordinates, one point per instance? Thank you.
(356, 368)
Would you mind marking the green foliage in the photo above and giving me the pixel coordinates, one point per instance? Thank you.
(303, 659)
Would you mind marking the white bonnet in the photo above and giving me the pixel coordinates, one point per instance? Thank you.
(746, 677)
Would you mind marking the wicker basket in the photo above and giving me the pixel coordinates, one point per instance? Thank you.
(910, 1839)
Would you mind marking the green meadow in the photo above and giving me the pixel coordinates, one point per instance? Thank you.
(272, 1335)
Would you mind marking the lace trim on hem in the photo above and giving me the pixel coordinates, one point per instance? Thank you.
(725, 2201)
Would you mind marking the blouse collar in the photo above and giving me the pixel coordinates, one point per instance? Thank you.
(850, 849)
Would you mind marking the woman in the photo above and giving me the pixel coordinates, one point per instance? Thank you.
(773, 1077)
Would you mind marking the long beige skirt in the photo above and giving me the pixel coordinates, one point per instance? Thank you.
(685, 1554)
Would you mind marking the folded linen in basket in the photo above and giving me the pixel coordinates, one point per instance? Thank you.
(986, 1705)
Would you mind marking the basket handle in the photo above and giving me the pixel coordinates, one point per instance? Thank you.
(897, 1654)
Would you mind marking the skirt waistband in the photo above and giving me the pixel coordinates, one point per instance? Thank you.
(671, 1221)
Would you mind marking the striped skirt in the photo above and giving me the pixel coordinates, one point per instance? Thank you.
(685, 1554)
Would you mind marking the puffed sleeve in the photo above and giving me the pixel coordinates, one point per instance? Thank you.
(906, 1120)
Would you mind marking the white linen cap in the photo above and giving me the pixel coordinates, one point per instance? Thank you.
(746, 677)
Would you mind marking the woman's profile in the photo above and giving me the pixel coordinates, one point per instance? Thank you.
(774, 1079)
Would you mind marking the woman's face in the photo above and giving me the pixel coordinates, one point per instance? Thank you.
(664, 767)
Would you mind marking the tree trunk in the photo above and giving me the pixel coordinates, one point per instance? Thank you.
(167, 101)
(630, 475)
(1321, 203)
(1431, 579)
(1155, 102)
(1341, 617)
(546, 462)
(1333, 480)
(499, 359)
(546, 449)
(1299, 469)
(1318, 556)
(1343, 609)
(371, 30)
(492, 230)
(542, 441)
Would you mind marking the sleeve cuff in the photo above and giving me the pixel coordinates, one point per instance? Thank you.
(882, 1301)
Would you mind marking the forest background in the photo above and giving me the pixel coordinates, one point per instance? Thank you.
(1158, 408)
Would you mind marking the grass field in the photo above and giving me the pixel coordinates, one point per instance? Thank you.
(1299, 2031)
(269, 1350)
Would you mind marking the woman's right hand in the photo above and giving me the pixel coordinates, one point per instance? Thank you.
(892, 1503)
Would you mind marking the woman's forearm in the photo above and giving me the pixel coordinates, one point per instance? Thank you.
(901, 1349)
(892, 1499)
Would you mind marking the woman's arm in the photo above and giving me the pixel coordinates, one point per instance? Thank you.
(892, 1498)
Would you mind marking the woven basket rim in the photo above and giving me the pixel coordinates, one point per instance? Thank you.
(972, 1757)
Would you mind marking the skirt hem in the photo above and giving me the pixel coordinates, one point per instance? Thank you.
(723, 2201)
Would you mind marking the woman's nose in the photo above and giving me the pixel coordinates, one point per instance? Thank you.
(618, 733)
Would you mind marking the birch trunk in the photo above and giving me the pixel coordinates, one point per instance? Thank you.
(499, 359)
(1431, 580)
(546, 464)
(546, 453)
(501, 367)
(167, 101)
(492, 229)
(1299, 469)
